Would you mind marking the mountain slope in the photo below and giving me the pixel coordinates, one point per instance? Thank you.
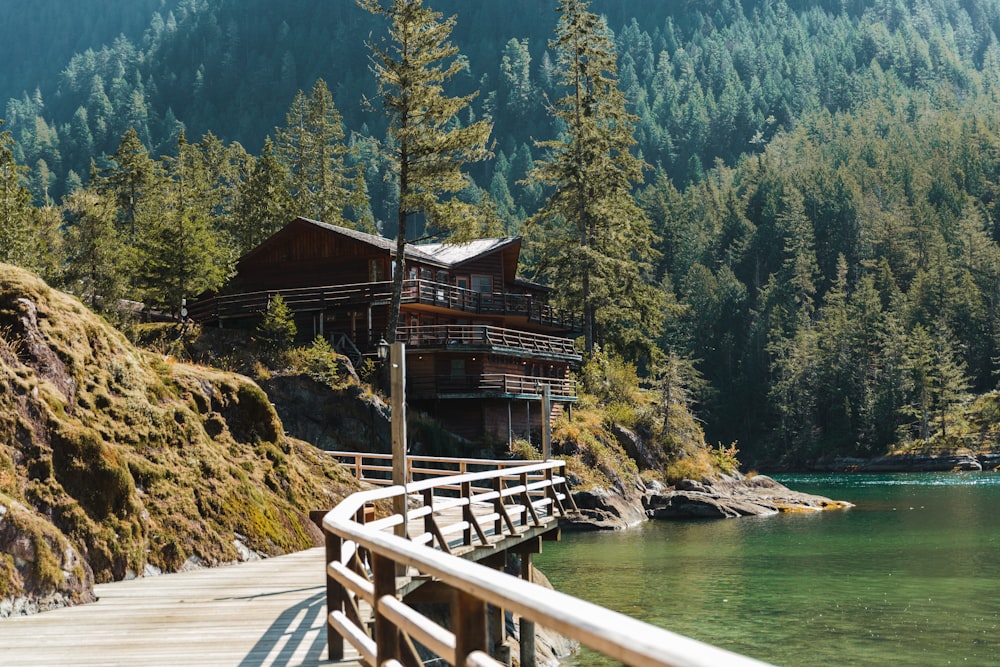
(708, 80)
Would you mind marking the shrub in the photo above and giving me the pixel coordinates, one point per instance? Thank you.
(322, 363)
(725, 458)
(277, 331)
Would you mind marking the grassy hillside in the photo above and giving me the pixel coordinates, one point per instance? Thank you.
(113, 460)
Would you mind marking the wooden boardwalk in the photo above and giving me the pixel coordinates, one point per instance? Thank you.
(268, 613)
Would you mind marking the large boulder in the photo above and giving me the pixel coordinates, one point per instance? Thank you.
(606, 508)
(335, 420)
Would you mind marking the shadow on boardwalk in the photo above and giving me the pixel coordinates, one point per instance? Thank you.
(301, 626)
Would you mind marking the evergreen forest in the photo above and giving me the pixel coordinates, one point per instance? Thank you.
(786, 212)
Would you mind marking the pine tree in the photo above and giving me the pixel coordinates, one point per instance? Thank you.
(15, 205)
(276, 331)
(182, 254)
(263, 203)
(597, 242)
(96, 257)
(131, 179)
(312, 147)
(426, 145)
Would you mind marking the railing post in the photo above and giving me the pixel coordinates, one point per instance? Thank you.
(546, 421)
(469, 621)
(386, 633)
(334, 597)
(498, 507)
(467, 512)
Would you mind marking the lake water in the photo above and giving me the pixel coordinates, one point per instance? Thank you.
(910, 576)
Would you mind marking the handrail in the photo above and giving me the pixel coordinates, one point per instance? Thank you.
(485, 336)
(615, 635)
(368, 466)
(508, 384)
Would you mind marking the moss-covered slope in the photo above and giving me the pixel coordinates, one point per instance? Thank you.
(114, 461)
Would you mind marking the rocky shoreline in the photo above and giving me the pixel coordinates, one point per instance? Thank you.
(937, 462)
(726, 497)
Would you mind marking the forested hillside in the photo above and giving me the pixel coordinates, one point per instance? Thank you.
(820, 184)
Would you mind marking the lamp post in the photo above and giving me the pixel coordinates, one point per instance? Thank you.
(395, 354)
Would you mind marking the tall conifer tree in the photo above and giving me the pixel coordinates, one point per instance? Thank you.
(313, 149)
(15, 205)
(597, 243)
(96, 255)
(426, 145)
(131, 179)
(182, 255)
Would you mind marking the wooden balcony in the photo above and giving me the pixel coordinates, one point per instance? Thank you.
(484, 338)
(489, 385)
(304, 299)
(442, 295)
(422, 292)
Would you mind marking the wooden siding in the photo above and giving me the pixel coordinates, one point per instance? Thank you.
(301, 255)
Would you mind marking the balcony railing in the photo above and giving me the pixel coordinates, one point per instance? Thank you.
(298, 299)
(490, 384)
(481, 336)
(423, 292)
(495, 303)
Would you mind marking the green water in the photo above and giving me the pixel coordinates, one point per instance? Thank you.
(911, 576)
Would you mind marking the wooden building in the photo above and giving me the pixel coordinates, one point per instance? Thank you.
(481, 342)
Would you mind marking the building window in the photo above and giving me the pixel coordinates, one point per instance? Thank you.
(376, 270)
(482, 284)
(462, 282)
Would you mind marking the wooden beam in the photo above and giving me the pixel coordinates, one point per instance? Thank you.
(469, 625)
(386, 633)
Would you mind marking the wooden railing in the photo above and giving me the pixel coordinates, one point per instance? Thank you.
(298, 299)
(505, 384)
(375, 468)
(363, 560)
(481, 336)
(424, 292)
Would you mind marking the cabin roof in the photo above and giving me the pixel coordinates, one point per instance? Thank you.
(446, 255)
(453, 254)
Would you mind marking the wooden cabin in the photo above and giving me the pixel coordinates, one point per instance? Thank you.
(481, 342)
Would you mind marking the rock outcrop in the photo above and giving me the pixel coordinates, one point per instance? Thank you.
(345, 419)
(732, 496)
(607, 508)
(115, 462)
(726, 497)
(943, 462)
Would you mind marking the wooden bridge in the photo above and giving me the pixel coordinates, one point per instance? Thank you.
(375, 567)
(385, 577)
